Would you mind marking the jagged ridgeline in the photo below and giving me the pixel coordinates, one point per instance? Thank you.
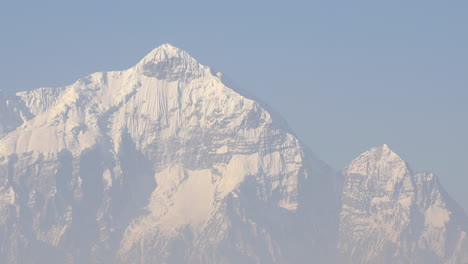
(163, 163)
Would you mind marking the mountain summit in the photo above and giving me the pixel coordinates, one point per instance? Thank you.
(165, 52)
(158, 163)
(377, 161)
(167, 62)
(164, 163)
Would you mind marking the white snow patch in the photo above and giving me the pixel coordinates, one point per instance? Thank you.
(436, 216)
(7, 196)
(107, 179)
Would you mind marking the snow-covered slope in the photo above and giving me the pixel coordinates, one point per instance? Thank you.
(160, 163)
(392, 215)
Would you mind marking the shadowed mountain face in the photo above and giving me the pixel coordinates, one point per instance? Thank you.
(163, 163)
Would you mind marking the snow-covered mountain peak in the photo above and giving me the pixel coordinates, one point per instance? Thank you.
(381, 151)
(163, 89)
(377, 160)
(164, 52)
(162, 162)
(171, 63)
(386, 209)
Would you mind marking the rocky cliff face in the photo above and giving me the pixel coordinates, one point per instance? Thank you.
(159, 163)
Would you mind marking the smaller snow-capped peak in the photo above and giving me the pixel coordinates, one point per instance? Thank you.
(377, 160)
(378, 172)
(380, 151)
(386, 207)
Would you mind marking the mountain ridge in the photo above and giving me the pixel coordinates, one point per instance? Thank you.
(163, 162)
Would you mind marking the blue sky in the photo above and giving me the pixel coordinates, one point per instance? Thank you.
(347, 75)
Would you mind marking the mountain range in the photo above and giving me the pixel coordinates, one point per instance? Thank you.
(164, 163)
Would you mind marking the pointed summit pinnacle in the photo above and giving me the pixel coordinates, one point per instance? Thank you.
(168, 46)
(377, 158)
(381, 150)
(170, 63)
(164, 52)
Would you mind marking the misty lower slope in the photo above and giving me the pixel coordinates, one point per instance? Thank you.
(163, 163)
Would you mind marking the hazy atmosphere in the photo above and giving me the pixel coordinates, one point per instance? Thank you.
(345, 75)
(364, 85)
